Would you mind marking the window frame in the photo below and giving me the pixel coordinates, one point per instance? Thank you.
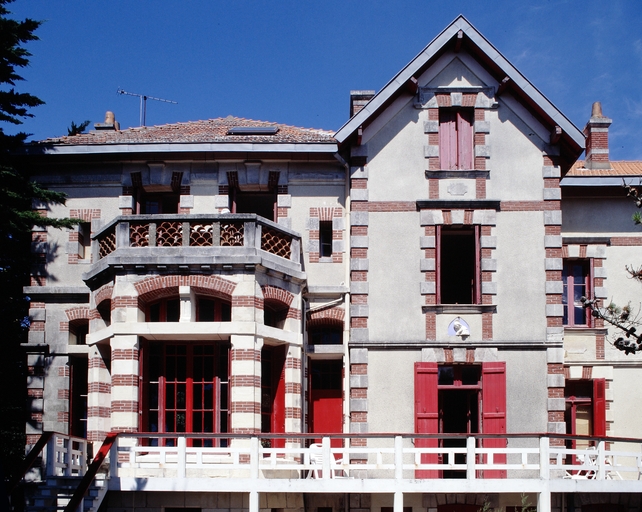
(568, 320)
(456, 138)
(440, 278)
(325, 238)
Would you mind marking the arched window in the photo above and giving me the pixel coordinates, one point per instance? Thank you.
(78, 330)
(164, 310)
(212, 309)
(275, 313)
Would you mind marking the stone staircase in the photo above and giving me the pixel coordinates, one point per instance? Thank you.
(55, 492)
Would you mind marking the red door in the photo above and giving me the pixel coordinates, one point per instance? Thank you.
(326, 399)
(494, 410)
(273, 392)
(426, 414)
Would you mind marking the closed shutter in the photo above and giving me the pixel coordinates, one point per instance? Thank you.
(448, 139)
(494, 410)
(465, 139)
(599, 407)
(426, 414)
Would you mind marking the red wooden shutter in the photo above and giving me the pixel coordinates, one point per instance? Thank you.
(448, 139)
(426, 413)
(278, 390)
(599, 407)
(464, 139)
(438, 279)
(477, 279)
(494, 410)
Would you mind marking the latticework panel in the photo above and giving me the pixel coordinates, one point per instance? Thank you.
(276, 243)
(107, 244)
(139, 235)
(200, 235)
(169, 234)
(232, 235)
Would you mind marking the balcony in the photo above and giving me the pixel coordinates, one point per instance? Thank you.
(390, 463)
(196, 243)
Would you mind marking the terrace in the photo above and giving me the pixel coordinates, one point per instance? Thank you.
(388, 463)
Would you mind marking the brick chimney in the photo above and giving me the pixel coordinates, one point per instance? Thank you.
(358, 99)
(597, 139)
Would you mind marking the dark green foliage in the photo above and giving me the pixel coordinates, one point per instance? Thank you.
(76, 129)
(17, 195)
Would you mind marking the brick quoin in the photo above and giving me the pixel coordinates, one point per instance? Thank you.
(293, 363)
(487, 326)
(99, 387)
(124, 405)
(124, 380)
(359, 369)
(129, 354)
(431, 326)
(252, 381)
(480, 188)
(359, 230)
(433, 188)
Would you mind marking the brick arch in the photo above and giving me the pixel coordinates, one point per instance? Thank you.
(159, 287)
(274, 293)
(330, 317)
(103, 294)
(79, 313)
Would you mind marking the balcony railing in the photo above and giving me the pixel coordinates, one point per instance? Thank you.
(198, 231)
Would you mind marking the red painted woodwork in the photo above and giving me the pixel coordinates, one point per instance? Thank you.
(477, 278)
(326, 399)
(494, 410)
(448, 139)
(599, 407)
(273, 392)
(326, 413)
(426, 413)
(456, 139)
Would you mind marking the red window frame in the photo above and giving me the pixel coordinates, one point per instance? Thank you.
(181, 392)
(456, 138)
(493, 410)
(577, 275)
(442, 263)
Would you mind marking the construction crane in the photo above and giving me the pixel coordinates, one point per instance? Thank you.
(143, 103)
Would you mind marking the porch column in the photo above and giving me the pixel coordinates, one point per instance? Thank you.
(293, 392)
(124, 383)
(98, 397)
(543, 501)
(245, 384)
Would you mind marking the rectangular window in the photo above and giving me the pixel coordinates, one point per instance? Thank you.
(585, 411)
(576, 279)
(157, 203)
(261, 203)
(458, 265)
(325, 239)
(84, 240)
(456, 138)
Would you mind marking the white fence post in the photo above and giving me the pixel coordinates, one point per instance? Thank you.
(470, 458)
(398, 458)
(254, 462)
(182, 457)
(325, 450)
(113, 458)
(601, 462)
(544, 461)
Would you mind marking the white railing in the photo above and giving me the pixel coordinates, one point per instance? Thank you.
(66, 456)
(384, 457)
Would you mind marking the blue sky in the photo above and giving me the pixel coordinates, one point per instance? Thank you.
(295, 61)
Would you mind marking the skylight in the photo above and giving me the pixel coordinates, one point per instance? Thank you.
(253, 130)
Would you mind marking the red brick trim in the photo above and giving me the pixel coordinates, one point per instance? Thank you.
(252, 407)
(158, 287)
(124, 406)
(529, 206)
(327, 317)
(103, 293)
(278, 294)
(245, 354)
(620, 241)
(247, 301)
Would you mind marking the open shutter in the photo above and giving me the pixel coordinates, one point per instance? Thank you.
(448, 139)
(426, 414)
(494, 410)
(599, 407)
(464, 139)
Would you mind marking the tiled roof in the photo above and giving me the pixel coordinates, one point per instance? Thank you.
(208, 131)
(618, 168)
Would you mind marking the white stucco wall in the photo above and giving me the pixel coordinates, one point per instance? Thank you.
(394, 277)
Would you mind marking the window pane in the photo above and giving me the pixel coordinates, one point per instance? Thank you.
(446, 375)
(173, 310)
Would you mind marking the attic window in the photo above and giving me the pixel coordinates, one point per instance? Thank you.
(253, 130)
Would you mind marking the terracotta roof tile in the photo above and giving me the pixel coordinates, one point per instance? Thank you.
(208, 131)
(618, 168)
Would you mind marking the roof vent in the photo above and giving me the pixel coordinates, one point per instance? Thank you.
(253, 130)
(109, 124)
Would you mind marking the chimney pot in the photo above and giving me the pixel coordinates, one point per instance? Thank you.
(109, 124)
